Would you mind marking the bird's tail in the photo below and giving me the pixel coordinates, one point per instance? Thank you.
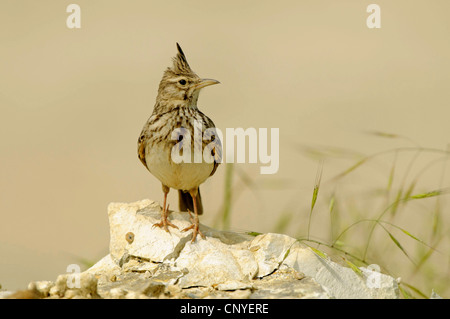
(185, 202)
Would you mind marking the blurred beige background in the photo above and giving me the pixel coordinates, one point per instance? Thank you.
(73, 102)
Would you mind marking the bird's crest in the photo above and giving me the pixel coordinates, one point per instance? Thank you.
(180, 63)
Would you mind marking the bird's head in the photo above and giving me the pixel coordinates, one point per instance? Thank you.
(180, 85)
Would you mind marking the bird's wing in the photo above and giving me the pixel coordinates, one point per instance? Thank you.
(212, 141)
(215, 145)
(141, 147)
(217, 153)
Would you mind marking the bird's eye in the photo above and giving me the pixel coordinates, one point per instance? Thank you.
(182, 82)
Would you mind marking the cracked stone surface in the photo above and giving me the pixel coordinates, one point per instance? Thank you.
(148, 262)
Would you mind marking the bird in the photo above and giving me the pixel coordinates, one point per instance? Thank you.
(173, 137)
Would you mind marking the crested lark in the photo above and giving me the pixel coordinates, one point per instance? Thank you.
(174, 128)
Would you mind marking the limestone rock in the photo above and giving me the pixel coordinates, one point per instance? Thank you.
(68, 286)
(82, 285)
(148, 262)
(211, 262)
(286, 282)
(434, 295)
(340, 281)
(269, 251)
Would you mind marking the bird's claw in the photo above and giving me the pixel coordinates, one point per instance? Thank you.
(195, 227)
(165, 223)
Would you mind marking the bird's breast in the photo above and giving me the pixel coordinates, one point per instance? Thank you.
(173, 172)
(174, 148)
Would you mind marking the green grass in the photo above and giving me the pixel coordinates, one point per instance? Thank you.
(373, 226)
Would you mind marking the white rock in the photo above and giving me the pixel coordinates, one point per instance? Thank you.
(224, 256)
(137, 219)
(234, 285)
(148, 262)
(338, 281)
(211, 262)
(43, 287)
(434, 295)
(117, 293)
(106, 264)
(269, 250)
(83, 285)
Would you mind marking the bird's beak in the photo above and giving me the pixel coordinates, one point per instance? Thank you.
(205, 82)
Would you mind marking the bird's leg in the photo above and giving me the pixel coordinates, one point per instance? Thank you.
(164, 223)
(194, 219)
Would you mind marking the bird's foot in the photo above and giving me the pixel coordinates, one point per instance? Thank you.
(195, 227)
(165, 223)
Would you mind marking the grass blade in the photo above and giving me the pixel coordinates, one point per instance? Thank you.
(351, 168)
(408, 234)
(227, 196)
(405, 293)
(397, 243)
(426, 195)
(354, 267)
(253, 233)
(332, 203)
(397, 201)
(410, 189)
(315, 192)
(391, 175)
(416, 290)
(319, 253)
(383, 134)
(317, 185)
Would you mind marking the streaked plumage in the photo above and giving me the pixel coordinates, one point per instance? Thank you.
(176, 108)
